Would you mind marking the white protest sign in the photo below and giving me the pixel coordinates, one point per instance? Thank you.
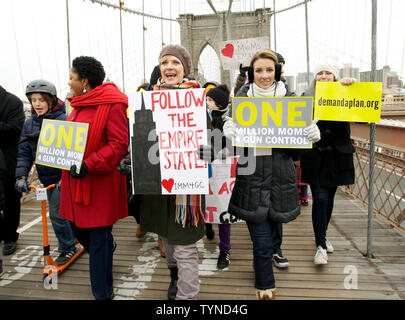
(236, 52)
(165, 136)
(41, 194)
(222, 180)
(61, 144)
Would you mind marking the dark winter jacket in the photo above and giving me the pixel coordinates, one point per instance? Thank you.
(11, 123)
(330, 162)
(271, 191)
(27, 150)
(3, 172)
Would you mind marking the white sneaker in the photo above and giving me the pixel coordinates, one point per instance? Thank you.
(321, 257)
(329, 247)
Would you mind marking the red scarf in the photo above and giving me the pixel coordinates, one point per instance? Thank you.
(102, 96)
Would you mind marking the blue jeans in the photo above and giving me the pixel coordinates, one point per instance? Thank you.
(277, 235)
(322, 207)
(61, 226)
(98, 242)
(262, 238)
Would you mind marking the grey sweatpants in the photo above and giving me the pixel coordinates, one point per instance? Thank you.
(185, 258)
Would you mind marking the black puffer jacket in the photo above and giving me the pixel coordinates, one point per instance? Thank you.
(270, 192)
(330, 162)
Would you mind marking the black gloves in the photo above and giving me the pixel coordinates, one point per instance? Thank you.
(243, 70)
(21, 184)
(125, 166)
(206, 153)
(83, 171)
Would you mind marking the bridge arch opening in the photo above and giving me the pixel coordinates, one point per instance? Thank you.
(209, 65)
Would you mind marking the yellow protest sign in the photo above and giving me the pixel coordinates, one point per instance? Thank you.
(358, 102)
(61, 144)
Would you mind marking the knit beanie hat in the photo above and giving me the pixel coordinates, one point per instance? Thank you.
(330, 64)
(220, 95)
(180, 53)
(280, 58)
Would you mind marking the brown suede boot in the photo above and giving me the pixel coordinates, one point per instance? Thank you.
(161, 248)
(269, 294)
(139, 233)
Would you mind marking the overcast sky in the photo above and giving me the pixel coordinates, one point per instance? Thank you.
(34, 36)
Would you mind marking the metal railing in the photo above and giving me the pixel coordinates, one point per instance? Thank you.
(389, 183)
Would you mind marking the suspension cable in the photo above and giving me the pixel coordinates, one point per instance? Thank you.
(292, 7)
(17, 49)
(212, 7)
(229, 8)
(123, 8)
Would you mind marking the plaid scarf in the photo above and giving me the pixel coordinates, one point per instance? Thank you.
(188, 207)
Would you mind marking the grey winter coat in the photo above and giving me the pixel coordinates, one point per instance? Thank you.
(271, 191)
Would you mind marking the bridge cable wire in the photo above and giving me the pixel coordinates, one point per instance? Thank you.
(108, 4)
(55, 56)
(16, 47)
(388, 35)
(36, 41)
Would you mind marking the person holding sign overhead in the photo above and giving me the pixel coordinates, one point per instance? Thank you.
(94, 196)
(44, 105)
(270, 191)
(329, 164)
(160, 214)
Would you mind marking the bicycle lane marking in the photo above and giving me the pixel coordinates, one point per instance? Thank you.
(25, 258)
(130, 285)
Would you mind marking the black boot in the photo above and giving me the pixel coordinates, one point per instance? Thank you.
(172, 291)
(209, 231)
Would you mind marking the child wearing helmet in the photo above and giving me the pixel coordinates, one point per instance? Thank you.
(44, 105)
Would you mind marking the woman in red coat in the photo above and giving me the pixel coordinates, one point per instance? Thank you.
(95, 198)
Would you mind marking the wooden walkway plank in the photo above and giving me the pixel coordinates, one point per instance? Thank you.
(141, 273)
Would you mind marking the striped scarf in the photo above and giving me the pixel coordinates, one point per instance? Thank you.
(188, 207)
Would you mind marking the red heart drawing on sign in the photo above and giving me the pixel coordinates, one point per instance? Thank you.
(228, 51)
(168, 184)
